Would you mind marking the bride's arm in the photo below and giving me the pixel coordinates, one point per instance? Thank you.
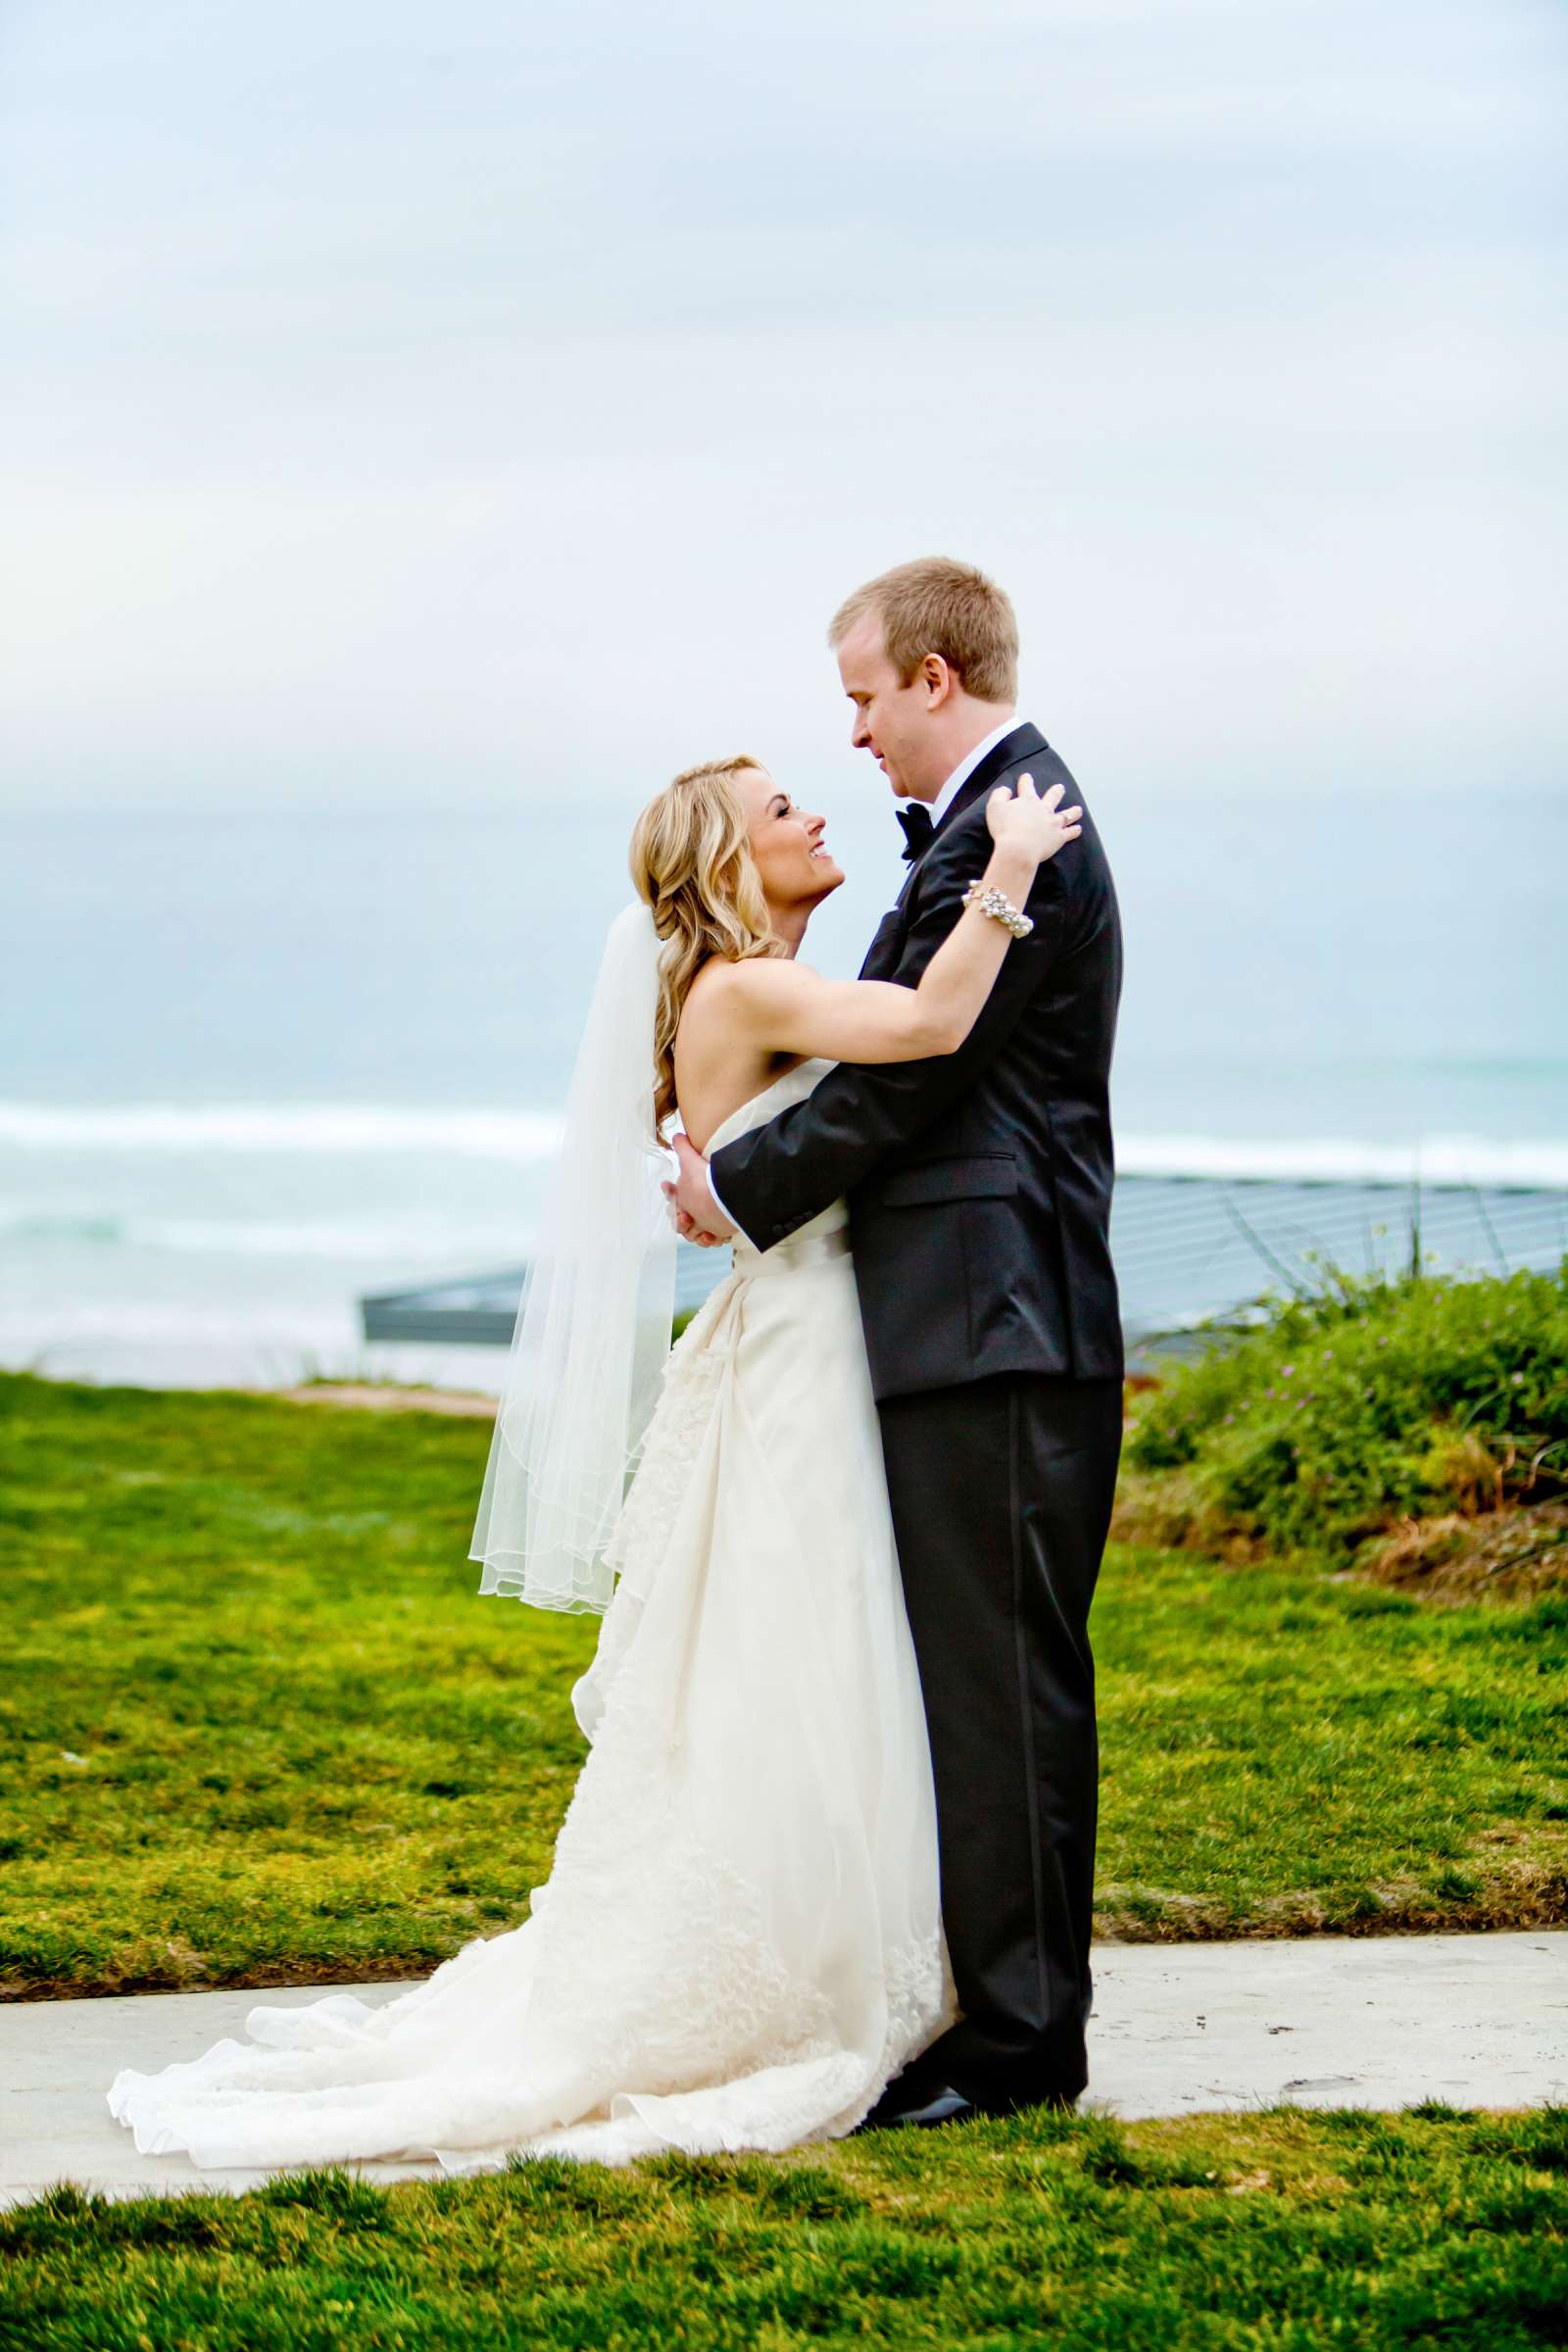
(791, 1009)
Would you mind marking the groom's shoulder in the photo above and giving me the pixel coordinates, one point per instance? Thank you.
(968, 836)
(1041, 761)
(1082, 865)
(1047, 767)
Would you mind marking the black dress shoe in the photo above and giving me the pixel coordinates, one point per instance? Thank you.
(918, 2106)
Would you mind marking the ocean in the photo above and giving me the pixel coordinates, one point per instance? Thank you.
(256, 1063)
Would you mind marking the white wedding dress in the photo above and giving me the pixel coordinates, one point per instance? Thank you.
(739, 1944)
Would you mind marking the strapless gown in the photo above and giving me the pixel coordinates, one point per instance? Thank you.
(739, 1944)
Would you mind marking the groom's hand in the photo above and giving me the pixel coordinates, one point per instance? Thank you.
(694, 1212)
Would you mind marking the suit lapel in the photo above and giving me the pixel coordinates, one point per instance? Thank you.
(882, 956)
(1022, 744)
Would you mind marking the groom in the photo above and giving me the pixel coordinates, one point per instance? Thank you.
(979, 1188)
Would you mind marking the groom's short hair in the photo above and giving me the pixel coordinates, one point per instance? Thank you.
(935, 606)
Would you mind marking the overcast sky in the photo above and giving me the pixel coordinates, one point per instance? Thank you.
(411, 404)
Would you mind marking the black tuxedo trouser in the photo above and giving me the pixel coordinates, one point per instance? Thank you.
(1002, 1493)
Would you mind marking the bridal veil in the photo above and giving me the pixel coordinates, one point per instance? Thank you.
(592, 1335)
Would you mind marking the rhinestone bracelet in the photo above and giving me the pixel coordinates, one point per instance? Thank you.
(1001, 910)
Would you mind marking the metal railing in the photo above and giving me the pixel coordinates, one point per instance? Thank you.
(1188, 1248)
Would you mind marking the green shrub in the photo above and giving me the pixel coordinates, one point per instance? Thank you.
(1339, 1416)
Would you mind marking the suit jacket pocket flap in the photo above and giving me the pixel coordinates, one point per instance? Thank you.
(985, 1176)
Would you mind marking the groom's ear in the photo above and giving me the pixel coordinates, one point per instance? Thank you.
(938, 680)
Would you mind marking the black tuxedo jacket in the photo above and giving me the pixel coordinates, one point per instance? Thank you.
(979, 1182)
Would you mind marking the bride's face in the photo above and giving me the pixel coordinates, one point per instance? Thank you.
(787, 843)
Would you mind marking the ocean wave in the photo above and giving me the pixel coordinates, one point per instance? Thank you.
(418, 1243)
(348, 1130)
(1434, 1159)
(323, 1128)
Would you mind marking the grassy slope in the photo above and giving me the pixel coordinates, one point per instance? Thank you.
(256, 1727)
(1344, 1417)
(1283, 2230)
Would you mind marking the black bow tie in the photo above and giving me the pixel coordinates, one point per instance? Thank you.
(917, 829)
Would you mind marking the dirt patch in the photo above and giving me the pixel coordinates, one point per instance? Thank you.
(1510, 1888)
(1476, 1554)
(1513, 1553)
(371, 1397)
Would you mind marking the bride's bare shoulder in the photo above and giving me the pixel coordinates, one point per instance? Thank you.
(726, 1041)
(727, 987)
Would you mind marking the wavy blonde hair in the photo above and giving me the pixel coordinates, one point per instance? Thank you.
(692, 865)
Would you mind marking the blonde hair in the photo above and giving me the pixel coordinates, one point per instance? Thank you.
(935, 606)
(692, 865)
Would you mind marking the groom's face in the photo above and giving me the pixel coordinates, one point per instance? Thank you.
(892, 721)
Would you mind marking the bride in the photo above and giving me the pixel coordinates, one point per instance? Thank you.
(740, 1941)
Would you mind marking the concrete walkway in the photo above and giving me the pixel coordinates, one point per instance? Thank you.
(1479, 2021)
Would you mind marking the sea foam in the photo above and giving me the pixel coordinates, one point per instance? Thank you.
(342, 1129)
(1431, 1159)
(351, 1130)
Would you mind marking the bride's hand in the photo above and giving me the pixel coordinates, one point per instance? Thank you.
(1024, 821)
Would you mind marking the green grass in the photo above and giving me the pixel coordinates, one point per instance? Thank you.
(256, 1727)
(1283, 1754)
(1282, 2230)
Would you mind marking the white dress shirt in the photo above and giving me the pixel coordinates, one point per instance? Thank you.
(939, 808)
